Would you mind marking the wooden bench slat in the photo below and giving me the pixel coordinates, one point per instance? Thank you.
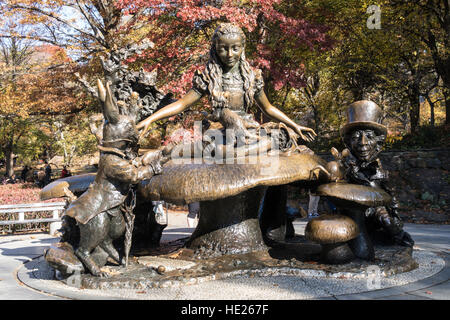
(27, 210)
(32, 205)
(11, 222)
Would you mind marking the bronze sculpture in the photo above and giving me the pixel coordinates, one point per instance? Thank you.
(105, 211)
(364, 135)
(361, 185)
(242, 210)
(231, 85)
(333, 232)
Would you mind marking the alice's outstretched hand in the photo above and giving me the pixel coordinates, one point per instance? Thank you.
(145, 124)
(307, 134)
(172, 109)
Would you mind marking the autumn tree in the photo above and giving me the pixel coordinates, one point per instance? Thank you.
(277, 35)
(29, 92)
(82, 27)
(386, 64)
(429, 22)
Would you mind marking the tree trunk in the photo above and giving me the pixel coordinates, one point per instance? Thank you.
(9, 155)
(447, 105)
(414, 112)
(432, 117)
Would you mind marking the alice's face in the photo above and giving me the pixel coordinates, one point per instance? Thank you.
(363, 144)
(229, 49)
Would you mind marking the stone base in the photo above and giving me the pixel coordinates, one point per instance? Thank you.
(298, 257)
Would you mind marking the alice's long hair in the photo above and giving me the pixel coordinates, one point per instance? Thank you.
(213, 71)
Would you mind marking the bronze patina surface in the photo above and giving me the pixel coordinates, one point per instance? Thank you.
(185, 183)
(352, 195)
(301, 259)
(361, 188)
(242, 222)
(76, 184)
(328, 229)
(333, 232)
(230, 196)
(103, 213)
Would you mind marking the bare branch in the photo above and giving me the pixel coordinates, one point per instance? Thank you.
(87, 86)
(55, 17)
(96, 27)
(7, 36)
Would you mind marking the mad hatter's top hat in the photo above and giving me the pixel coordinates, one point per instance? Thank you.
(364, 114)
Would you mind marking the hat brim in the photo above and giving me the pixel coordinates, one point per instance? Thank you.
(379, 128)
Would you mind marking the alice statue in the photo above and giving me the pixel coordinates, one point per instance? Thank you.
(232, 86)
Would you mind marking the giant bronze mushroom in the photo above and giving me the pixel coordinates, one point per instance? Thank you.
(231, 197)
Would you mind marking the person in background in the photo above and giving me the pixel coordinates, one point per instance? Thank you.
(23, 174)
(194, 211)
(65, 172)
(161, 214)
(48, 173)
(313, 205)
(40, 178)
(12, 179)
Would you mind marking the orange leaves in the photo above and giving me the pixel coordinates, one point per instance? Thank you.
(32, 88)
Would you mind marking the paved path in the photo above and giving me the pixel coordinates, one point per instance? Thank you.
(431, 241)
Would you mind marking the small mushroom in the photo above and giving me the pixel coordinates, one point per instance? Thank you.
(354, 200)
(161, 269)
(333, 232)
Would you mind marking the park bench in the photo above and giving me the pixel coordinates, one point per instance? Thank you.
(22, 209)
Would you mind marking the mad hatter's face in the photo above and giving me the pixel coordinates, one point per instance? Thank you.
(364, 144)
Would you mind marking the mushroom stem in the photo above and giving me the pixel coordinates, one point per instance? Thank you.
(337, 253)
(229, 225)
(362, 245)
(273, 219)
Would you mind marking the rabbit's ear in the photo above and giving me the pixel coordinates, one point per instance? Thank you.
(101, 91)
(110, 108)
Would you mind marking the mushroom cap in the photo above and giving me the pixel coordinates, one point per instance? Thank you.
(347, 194)
(186, 183)
(76, 184)
(328, 229)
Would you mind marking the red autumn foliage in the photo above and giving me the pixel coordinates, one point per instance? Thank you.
(181, 31)
(20, 193)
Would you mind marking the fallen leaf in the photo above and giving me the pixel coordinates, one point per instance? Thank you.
(109, 271)
(175, 255)
(428, 292)
(141, 292)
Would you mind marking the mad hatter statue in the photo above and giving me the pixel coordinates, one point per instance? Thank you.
(364, 135)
